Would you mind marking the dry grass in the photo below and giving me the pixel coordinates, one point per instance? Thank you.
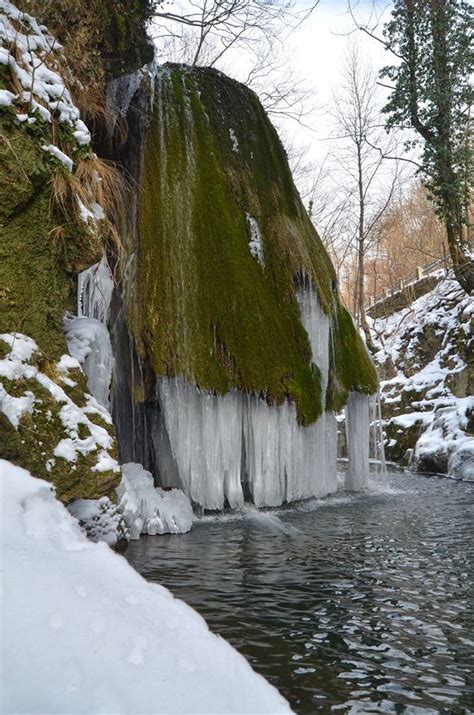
(94, 181)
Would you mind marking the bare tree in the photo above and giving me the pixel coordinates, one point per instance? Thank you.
(248, 34)
(366, 189)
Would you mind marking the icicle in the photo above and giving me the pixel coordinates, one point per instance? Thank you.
(87, 334)
(219, 442)
(357, 430)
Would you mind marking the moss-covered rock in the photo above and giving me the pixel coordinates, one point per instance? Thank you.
(205, 307)
(69, 442)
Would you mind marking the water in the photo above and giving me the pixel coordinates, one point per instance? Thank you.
(347, 604)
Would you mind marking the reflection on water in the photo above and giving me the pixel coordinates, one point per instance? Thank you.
(351, 604)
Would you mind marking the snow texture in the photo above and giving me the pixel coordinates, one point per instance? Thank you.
(17, 366)
(85, 634)
(150, 510)
(428, 384)
(100, 519)
(30, 52)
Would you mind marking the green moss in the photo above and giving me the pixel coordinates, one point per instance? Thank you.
(206, 308)
(352, 367)
(32, 447)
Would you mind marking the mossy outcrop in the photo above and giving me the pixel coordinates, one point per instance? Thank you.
(49, 184)
(215, 179)
(51, 426)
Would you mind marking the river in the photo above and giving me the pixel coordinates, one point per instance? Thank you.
(354, 603)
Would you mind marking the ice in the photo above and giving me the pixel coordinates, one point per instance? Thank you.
(256, 241)
(150, 510)
(100, 519)
(89, 342)
(87, 334)
(223, 447)
(94, 291)
(357, 430)
(220, 442)
(80, 619)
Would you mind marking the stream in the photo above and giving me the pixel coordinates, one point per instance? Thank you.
(353, 603)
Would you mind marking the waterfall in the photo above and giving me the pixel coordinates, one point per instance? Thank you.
(87, 334)
(222, 448)
(219, 447)
(357, 430)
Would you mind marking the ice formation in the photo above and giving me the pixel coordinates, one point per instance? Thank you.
(147, 509)
(357, 430)
(87, 334)
(255, 242)
(222, 447)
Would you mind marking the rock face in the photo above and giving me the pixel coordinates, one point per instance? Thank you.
(51, 227)
(426, 361)
(236, 343)
(224, 241)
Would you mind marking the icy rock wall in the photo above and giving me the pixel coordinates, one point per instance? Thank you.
(225, 445)
(221, 443)
(87, 334)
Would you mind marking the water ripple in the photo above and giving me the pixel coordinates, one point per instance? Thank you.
(350, 604)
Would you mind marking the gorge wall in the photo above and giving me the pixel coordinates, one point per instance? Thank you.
(231, 350)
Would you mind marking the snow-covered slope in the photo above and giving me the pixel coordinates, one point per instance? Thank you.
(425, 359)
(86, 634)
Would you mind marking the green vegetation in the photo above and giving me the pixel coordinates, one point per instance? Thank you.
(205, 307)
(32, 444)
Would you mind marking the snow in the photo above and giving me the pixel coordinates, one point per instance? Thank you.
(100, 518)
(150, 510)
(17, 366)
(6, 98)
(31, 53)
(424, 388)
(234, 140)
(255, 242)
(85, 634)
(59, 155)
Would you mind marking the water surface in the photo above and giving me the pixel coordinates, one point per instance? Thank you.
(354, 604)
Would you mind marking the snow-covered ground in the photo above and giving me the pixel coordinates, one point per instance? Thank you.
(83, 633)
(425, 354)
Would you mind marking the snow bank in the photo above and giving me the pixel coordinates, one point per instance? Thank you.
(150, 510)
(85, 634)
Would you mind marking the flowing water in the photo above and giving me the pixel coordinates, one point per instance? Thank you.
(354, 604)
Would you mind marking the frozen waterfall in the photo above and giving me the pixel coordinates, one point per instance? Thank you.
(218, 449)
(87, 334)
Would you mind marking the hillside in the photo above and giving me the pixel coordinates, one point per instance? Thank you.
(426, 364)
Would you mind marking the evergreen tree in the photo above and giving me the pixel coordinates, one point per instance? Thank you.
(432, 93)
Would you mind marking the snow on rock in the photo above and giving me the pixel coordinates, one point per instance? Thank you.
(59, 155)
(100, 519)
(82, 436)
(425, 355)
(148, 509)
(30, 52)
(85, 634)
(255, 242)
